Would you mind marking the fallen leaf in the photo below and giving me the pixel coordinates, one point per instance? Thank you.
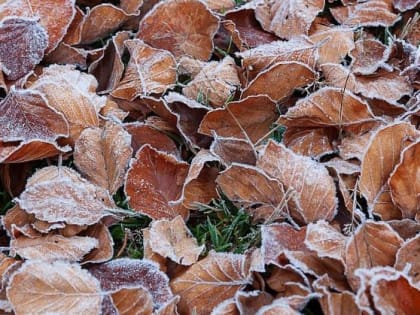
(57, 287)
(249, 118)
(129, 273)
(372, 244)
(154, 182)
(172, 239)
(105, 249)
(215, 84)
(404, 5)
(284, 82)
(133, 301)
(149, 71)
(288, 19)
(12, 152)
(368, 56)
(222, 274)
(227, 307)
(22, 45)
(277, 307)
(249, 303)
(312, 186)
(53, 247)
(162, 28)
(231, 150)
(407, 257)
(102, 155)
(403, 182)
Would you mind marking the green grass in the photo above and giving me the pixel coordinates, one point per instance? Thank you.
(223, 227)
(5, 200)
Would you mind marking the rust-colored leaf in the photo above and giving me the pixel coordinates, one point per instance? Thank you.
(221, 274)
(407, 255)
(133, 301)
(102, 155)
(154, 182)
(230, 150)
(162, 28)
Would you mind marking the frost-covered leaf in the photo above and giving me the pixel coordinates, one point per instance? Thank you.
(218, 275)
(105, 250)
(216, 83)
(249, 303)
(290, 18)
(26, 115)
(22, 45)
(154, 181)
(230, 150)
(309, 182)
(404, 5)
(47, 11)
(53, 247)
(407, 256)
(129, 273)
(102, 155)
(253, 115)
(54, 288)
(193, 35)
(404, 183)
(373, 244)
(133, 301)
(173, 239)
(149, 71)
(277, 307)
(368, 56)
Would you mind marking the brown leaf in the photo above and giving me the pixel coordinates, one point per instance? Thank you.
(200, 185)
(253, 189)
(105, 249)
(69, 199)
(13, 152)
(149, 71)
(162, 28)
(149, 254)
(373, 244)
(216, 83)
(133, 301)
(22, 45)
(47, 12)
(370, 13)
(309, 181)
(389, 291)
(381, 156)
(277, 307)
(109, 68)
(284, 83)
(368, 56)
(404, 5)
(227, 307)
(337, 42)
(406, 228)
(230, 150)
(298, 49)
(325, 240)
(102, 155)
(143, 134)
(72, 93)
(53, 247)
(69, 55)
(95, 26)
(290, 18)
(172, 239)
(249, 118)
(126, 272)
(328, 107)
(250, 302)
(220, 5)
(387, 86)
(404, 183)
(154, 182)
(407, 255)
(15, 216)
(57, 287)
(221, 274)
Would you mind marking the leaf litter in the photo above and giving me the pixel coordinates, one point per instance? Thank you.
(209, 157)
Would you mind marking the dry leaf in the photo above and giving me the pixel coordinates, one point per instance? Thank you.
(215, 84)
(200, 185)
(54, 288)
(22, 46)
(149, 71)
(222, 274)
(368, 56)
(404, 183)
(381, 156)
(249, 118)
(47, 12)
(373, 244)
(53, 247)
(308, 180)
(193, 35)
(154, 182)
(370, 13)
(249, 303)
(227, 307)
(290, 18)
(407, 259)
(404, 5)
(173, 240)
(277, 307)
(130, 273)
(105, 249)
(286, 76)
(231, 150)
(102, 155)
(130, 301)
